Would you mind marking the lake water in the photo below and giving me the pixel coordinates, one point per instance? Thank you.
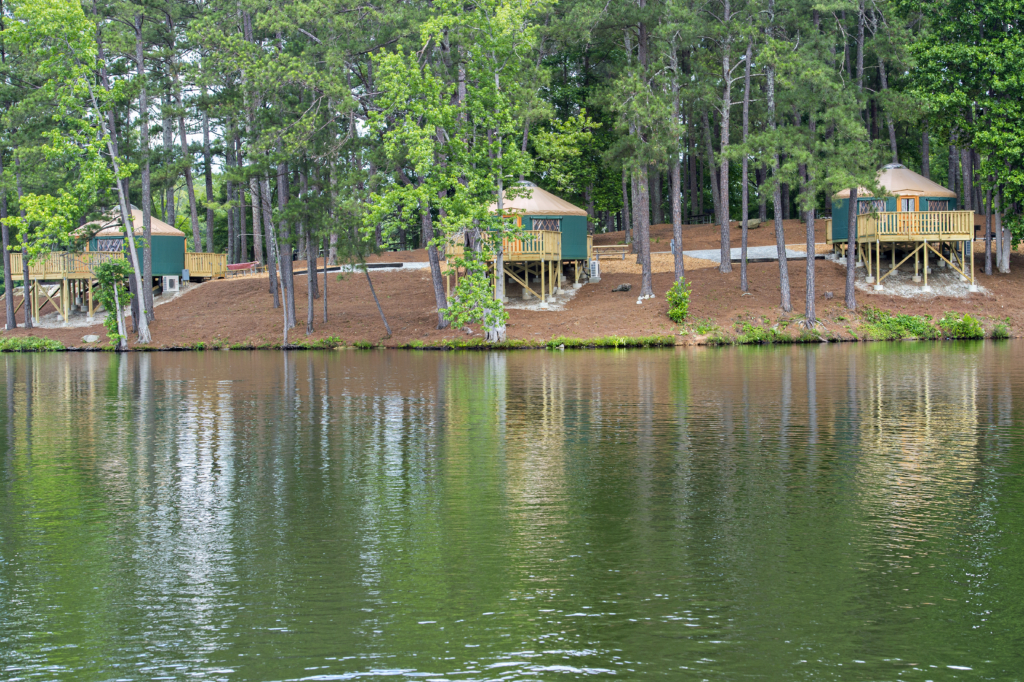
(850, 512)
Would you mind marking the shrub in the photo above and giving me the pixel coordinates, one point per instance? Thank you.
(884, 326)
(363, 345)
(1000, 331)
(954, 326)
(678, 301)
(28, 344)
(750, 333)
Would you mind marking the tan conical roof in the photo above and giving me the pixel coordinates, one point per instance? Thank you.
(898, 180)
(111, 226)
(540, 202)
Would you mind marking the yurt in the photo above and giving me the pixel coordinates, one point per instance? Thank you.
(542, 210)
(908, 192)
(167, 243)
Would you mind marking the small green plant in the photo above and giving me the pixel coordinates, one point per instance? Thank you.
(199, 345)
(113, 294)
(882, 325)
(703, 327)
(752, 334)
(28, 344)
(678, 301)
(363, 345)
(955, 326)
(1000, 331)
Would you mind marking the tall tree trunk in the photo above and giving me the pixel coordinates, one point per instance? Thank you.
(860, 45)
(851, 250)
(954, 162)
(780, 236)
(268, 229)
(888, 116)
(24, 242)
(242, 252)
(626, 222)
(641, 219)
(307, 230)
(8, 279)
(966, 186)
(1004, 234)
(285, 241)
(654, 180)
(807, 193)
(691, 149)
(147, 187)
(715, 194)
(229, 194)
(588, 196)
(761, 175)
(208, 172)
(170, 214)
(744, 182)
(677, 190)
(257, 237)
(108, 131)
(186, 154)
(427, 227)
(723, 192)
(926, 166)
(988, 231)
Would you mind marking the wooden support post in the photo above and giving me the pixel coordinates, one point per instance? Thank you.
(65, 294)
(88, 285)
(926, 265)
(971, 246)
(543, 301)
(917, 265)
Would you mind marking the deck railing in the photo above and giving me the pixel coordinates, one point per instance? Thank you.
(916, 226)
(206, 265)
(532, 245)
(62, 265)
(828, 231)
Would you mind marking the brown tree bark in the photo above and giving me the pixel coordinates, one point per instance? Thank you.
(208, 173)
(24, 251)
(11, 322)
(745, 182)
(147, 185)
(851, 251)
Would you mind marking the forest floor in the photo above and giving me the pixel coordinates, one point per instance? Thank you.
(239, 312)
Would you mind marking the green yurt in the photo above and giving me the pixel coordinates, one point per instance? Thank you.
(168, 243)
(907, 190)
(542, 210)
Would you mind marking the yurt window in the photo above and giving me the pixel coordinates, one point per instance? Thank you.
(109, 245)
(547, 224)
(870, 206)
(908, 204)
(938, 204)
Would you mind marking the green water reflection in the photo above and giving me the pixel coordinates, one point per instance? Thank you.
(842, 512)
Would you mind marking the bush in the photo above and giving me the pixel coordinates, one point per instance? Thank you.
(954, 326)
(28, 344)
(750, 333)
(1000, 331)
(884, 326)
(678, 301)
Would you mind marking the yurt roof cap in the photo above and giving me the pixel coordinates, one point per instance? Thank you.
(111, 226)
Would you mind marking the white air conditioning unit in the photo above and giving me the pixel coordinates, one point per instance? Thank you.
(172, 283)
(595, 271)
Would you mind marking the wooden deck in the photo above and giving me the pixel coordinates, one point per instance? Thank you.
(916, 226)
(534, 245)
(946, 236)
(59, 265)
(206, 265)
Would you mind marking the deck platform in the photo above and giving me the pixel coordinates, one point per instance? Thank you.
(946, 235)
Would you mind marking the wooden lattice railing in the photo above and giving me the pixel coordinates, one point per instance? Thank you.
(533, 245)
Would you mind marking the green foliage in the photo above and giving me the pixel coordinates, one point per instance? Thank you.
(113, 275)
(955, 326)
(1000, 331)
(363, 345)
(702, 326)
(882, 325)
(678, 297)
(473, 300)
(28, 344)
(560, 151)
(754, 334)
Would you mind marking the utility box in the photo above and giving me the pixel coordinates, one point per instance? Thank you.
(595, 270)
(171, 283)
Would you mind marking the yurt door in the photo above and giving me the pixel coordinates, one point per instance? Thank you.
(909, 222)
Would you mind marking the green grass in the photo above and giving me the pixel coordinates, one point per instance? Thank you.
(29, 344)
(552, 344)
(328, 343)
(753, 334)
(882, 325)
(955, 326)
(363, 345)
(702, 327)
